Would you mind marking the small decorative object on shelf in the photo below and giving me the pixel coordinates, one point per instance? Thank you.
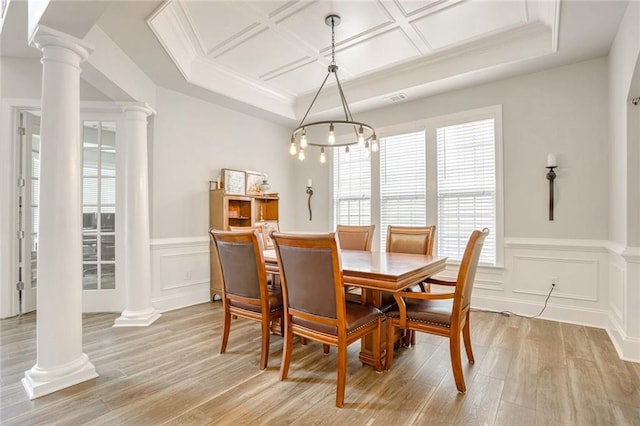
(264, 186)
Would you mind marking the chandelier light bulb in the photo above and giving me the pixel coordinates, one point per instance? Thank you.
(367, 152)
(332, 135)
(347, 155)
(361, 136)
(292, 146)
(303, 140)
(374, 143)
(323, 157)
(301, 154)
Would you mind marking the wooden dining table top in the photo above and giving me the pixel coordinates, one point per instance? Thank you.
(377, 270)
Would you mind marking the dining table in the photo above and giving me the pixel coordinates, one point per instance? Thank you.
(377, 273)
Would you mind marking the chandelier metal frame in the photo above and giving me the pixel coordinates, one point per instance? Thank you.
(365, 134)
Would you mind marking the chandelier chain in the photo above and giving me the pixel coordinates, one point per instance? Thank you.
(333, 42)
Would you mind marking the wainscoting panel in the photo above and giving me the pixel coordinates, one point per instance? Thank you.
(574, 278)
(180, 272)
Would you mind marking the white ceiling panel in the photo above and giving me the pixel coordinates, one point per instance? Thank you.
(262, 54)
(410, 7)
(271, 8)
(216, 23)
(358, 19)
(378, 52)
(303, 79)
(468, 20)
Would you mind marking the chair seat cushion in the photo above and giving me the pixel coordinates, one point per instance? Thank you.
(275, 301)
(358, 316)
(434, 312)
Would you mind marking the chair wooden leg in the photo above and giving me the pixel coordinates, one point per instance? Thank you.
(456, 360)
(286, 352)
(467, 340)
(389, 351)
(303, 340)
(342, 373)
(225, 330)
(282, 326)
(377, 353)
(413, 338)
(266, 332)
(325, 348)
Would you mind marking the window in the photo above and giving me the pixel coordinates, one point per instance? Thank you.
(449, 175)
(351, 187)
(466, 186)
(98, 205)
(402, 182)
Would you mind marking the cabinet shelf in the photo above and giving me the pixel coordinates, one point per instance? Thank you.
(236, 210)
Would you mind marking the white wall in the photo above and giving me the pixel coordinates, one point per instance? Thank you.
(192, 141)
(624, 185)
(22, 78)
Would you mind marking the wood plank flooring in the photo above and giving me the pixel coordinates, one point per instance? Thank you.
(527, 372)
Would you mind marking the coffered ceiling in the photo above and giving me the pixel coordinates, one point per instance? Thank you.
(267, 58)
(274, 54)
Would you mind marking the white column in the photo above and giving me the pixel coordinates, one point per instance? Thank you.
(137, 277)
(60, 361)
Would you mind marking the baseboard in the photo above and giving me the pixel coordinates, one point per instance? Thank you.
(187, 297)
(628, 348)
(554, 311)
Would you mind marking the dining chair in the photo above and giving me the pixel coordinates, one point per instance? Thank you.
(355, 237)
(411, 240)
(245, 292)
(314, 303)
(442, 314)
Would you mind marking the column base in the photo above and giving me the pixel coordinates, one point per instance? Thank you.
(38, 382)
(137, 318)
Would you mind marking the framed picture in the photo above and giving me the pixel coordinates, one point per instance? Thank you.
(234, 182)
(254, 180)
(268, 226)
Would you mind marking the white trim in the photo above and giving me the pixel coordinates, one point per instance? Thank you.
(628, 348)
(595, 246)
(178, 242)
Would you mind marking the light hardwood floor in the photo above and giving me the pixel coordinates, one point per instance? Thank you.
(527, 372)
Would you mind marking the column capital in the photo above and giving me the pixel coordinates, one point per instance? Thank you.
(142, 107)
(44, 37)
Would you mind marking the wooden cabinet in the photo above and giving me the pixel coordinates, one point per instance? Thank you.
(227, 210)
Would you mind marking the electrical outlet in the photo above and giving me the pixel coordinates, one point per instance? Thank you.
(554, 282)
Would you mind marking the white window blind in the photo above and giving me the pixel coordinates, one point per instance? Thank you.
(402, 182)
(352, 187)
(466, 187)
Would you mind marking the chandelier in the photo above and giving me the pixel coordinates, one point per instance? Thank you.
(365, 135)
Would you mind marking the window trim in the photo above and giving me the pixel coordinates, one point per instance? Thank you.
(432, 124)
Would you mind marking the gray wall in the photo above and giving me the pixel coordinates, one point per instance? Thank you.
(562, 111)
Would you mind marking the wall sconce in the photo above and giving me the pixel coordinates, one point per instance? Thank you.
(551, 176)
(309, 193)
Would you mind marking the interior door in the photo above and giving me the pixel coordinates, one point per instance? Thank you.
(28, 210)
(101, 221)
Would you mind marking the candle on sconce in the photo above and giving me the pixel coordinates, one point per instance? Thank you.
(551, 160)
(309, 183)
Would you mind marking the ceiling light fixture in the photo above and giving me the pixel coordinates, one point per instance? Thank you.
(365, 135)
